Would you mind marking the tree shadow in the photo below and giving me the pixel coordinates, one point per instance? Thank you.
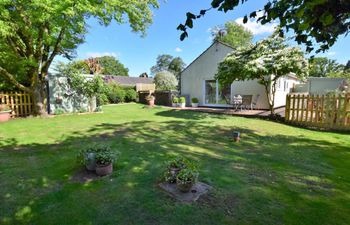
(268, 174)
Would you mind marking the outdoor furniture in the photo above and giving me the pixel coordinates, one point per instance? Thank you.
(247, 101)
(237, 102)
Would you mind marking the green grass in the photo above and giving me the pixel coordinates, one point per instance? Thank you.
(277, 175)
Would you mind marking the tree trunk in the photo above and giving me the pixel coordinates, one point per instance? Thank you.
(270, 99)
(39, 96)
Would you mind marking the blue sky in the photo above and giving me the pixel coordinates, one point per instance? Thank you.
(139, 54)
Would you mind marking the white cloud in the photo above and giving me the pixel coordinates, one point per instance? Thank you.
(256, 28)
(178, 49)
(100, 54)
(331, 53)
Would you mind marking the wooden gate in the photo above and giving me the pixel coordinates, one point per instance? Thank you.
(20, 103)
(325, 111)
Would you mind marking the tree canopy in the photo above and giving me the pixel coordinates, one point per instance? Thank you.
(111, 66)
(33, 33)
(324, 67)
(268, 60)
(233, 34)
(167, 62)
(321, 21)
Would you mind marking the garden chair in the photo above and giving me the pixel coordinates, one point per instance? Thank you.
(237, 102)
(247, 101)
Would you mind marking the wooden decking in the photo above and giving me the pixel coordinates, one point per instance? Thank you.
(229, 111)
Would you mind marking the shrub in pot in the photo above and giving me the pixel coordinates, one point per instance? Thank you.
(186, 179)
(150, 100)
(236, 136)
(194, 102)
(175, 101)
(87, 158)
(182, 102)
(104, 160)
(5, 113)
(174, 166)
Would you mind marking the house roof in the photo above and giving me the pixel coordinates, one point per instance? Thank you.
(215, 42)
(128, 81)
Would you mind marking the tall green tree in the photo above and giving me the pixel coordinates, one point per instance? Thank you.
(321, 21)
(233, 34)
(162, 63)
(33, 33)
(111, 66)
(323, 67)
(167, 62)
(267, 61)
(176, 66)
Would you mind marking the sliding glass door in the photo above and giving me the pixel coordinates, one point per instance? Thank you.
(216, 94)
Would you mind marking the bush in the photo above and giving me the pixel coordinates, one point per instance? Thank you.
(194, 100)
(182, 100)
(165, 81)
(130, 95)
(115, 93)
(59, 111)
(175, 100)
(102, 99)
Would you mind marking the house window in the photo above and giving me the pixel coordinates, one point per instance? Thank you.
(286, 86)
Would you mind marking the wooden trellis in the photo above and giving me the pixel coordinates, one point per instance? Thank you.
(325, 111)
(20, 103)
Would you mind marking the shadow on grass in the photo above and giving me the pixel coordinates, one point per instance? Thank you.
(272, 179)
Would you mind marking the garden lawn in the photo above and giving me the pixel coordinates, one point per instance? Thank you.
(278, 174)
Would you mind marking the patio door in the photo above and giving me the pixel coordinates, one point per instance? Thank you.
(216, 94)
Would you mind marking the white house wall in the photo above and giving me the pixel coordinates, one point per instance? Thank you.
(251, 87)
(203, 68)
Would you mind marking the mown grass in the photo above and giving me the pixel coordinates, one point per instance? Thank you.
(277, 175)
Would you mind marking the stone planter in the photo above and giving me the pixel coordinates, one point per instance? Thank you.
(174, 105)
(236, 136)
(182, 105)
(90, 161)
(103, 170)
(184, 187)
(194, 105)
(150, 102)
(5, 116)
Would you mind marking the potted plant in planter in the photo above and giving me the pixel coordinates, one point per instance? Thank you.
(5, 113)
(175, 101)
(87, 157)
(150, 100)
(104, 160)
(236, 136)
(186, 179)
(173, 168)
(182, 102)
(194, 102)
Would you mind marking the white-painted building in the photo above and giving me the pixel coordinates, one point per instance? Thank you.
(197, 81)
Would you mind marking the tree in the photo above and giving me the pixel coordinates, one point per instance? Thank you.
(33, 33)
(322, 21)
(234, 35)
(165, 81)
(176, 66)
(111, 66)
(168, 63)
(268, 60)
(322, 67)
(162, 64)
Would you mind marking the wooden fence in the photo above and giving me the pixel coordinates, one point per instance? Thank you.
(323, 111)
(145, 87)
(20, 103)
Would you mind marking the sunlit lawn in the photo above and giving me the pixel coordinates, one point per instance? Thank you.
(277, 175)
